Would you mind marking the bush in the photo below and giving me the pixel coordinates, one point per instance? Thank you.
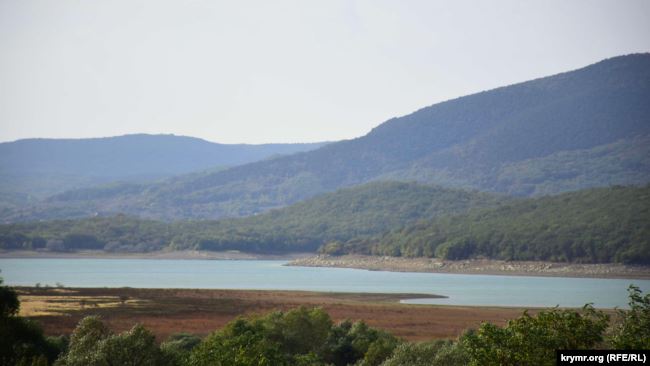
(633, 331)
(532, 340)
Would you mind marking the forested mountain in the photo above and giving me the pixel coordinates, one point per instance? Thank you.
(42, 167)
(388, 218)
(365, 210)
(583, 128)
(593, 225)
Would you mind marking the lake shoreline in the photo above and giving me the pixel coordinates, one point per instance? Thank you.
(476, 266)
(371, 263)
(163, 254)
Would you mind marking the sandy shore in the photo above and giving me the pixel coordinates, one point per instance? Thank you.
(179, 254)
(480, 266)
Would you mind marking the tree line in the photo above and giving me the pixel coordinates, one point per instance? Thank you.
(590, 226)
(395, 219)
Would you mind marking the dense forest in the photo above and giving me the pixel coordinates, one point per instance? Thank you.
(388, 218)
(360, 211)
(592, 226)
(575, 130)
(303, 336)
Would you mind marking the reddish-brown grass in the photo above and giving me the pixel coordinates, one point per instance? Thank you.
(168, 311)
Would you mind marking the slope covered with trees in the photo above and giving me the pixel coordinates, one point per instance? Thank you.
(365, 210)
(526, 139)
(594, 225)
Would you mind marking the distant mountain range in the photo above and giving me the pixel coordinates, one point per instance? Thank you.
(43, 167)
(580, 129)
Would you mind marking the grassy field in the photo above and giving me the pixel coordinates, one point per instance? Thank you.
(168, 311)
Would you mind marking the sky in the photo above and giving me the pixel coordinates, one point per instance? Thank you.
(282, 71)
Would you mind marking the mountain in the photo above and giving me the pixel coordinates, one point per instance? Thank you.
(594, 226)
(368, 209)
(42, 167)
(584, 128)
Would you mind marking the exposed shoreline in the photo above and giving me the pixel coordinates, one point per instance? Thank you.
(476, 266)
(375, 263)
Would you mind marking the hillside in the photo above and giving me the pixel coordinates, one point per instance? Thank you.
(42, 167)
(365, 210)
(593, 226)
(579, 129)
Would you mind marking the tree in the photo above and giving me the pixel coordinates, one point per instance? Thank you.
(532, 340)
(84, 343)
(349, 343)
(437, 353)
(137, 347)
(21, 340)
(177, 347)
(93, 344)
(241, 342)
(633, 331)
(9, 304)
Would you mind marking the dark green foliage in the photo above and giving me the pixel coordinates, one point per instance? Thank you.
(117, 233)
(136, 347)
(183, 341)
(437, 353)
(591, 226)
(84, 343)
(633, 331)
(177, 347)
(298, 337)
(356, 343)
(9, 304)
(365, 210)
(21, 340)
(579, 129)
(93, 344)
(532, 340)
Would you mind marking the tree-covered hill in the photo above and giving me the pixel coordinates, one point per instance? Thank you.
(42, 167)
(365, 210)
(593, 225)
(583, 128)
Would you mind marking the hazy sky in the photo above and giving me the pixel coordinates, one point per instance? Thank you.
(281, 71)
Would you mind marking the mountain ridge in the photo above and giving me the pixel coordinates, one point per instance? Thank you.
(66, 163)
(467, 142)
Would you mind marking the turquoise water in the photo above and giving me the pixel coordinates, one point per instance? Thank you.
(255, 274)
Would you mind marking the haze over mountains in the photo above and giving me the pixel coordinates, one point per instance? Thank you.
(43, 167)
(580, 129)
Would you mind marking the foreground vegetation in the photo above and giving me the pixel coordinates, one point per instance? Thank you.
(308, 336)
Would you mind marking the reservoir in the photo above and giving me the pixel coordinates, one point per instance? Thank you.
(476, 290)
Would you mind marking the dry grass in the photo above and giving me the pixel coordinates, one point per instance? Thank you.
(168, 311)
(40, 305)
